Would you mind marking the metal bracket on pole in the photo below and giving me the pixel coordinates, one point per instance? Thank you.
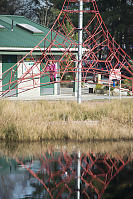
(80, 40)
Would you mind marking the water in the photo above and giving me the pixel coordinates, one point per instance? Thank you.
(66, 170)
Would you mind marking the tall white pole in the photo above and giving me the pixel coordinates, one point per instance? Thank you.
(120, 88)
(78, 174)
(109, 87)
(80, 40)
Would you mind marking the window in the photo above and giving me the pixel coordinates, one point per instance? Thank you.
(30, 66)
(30, 28)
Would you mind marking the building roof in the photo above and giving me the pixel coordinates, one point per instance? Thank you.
(22, 37)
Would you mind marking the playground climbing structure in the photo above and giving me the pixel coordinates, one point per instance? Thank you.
(101, 55)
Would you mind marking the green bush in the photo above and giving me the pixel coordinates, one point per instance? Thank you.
(127, 84)
(99, 87)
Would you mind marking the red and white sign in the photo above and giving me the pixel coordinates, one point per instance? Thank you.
(115, 74)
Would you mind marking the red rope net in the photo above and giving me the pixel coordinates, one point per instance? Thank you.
(58, 54)
(58, 174)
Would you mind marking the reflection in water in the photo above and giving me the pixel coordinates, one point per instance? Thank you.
(15, 186)
(59, 174)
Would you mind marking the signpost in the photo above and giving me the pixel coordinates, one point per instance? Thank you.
(115, 74)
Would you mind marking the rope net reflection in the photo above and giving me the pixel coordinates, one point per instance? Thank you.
(56, 172)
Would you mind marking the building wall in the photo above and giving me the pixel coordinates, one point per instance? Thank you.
(9, 78)
(27, 87)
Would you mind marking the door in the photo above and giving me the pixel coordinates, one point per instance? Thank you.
(9, 78)
(46, 85)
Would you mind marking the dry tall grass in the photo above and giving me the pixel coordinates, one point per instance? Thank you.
(44, 120)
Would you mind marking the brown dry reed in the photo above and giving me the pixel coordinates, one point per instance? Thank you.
(66, 120)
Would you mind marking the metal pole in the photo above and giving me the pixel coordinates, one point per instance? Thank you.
(120, 88)
(132, 87)
(57, 79)
(80, 40)
(78, 174)
(109, 88)
(76, 77)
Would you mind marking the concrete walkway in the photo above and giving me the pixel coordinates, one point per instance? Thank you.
(69, 97)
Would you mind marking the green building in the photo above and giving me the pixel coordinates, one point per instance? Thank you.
(19, 36)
